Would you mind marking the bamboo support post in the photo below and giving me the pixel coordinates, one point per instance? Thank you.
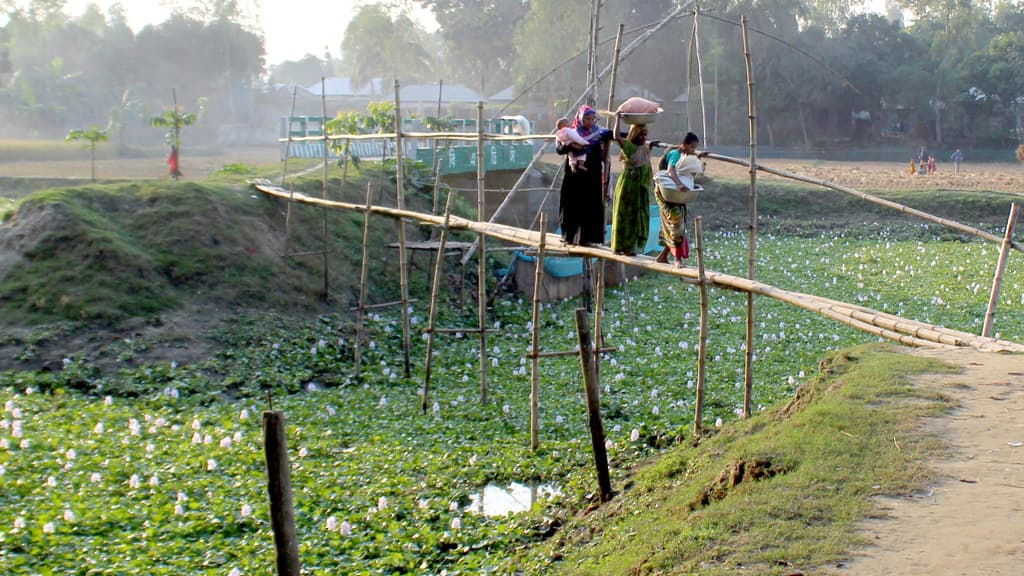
(279, 488)
(748, 370)
(592, 388)
(481, 280)
(524, 237)
(599, 311)
(323, 215)
(434, 289)
(288, 145)
(997, 281)
(364, 267)
(538, 281)
(437, 160)
(702, 346)
(403, 264)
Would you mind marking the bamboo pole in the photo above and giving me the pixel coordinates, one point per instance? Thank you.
(970, 231)
(279, 488)
(403, 264)
(323, 215)
(997, 281)
(481, 280)
(564, 353)
(284, 174)
(538, 281)
(592, 388)
(599, 281)
(434, 289)
(700, 71)
(364, 267)
(437, 161)
(748, 370)
(689, 74)
(715, 279)
(702, 346)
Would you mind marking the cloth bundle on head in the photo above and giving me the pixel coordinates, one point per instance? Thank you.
(637, 105)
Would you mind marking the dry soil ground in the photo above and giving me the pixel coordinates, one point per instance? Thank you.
(971, 520)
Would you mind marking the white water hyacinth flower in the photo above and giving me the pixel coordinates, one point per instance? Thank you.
(3, 469)
(655, 411)
(456, 523)
(235, 572)
(303, 452)
(133, 427)
(345, 528)
(179, 510)
(207, 439)
(244, 414)
(19, 523)
(718, 423)
(95, 477)
(98, 428)
(69, 516)
(197, 438)
(436, 408)
(181, 498)
(245, 511)
(195, 424)
(211, 465)
(330, 410)
(154, 481)
(108, 401)
(133, 482)
(634, 435)
(237, 436)
(332, 524)
(49, 528)
(9, 406)
(225, 442)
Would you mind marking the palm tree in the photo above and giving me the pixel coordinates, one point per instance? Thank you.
(92, 135)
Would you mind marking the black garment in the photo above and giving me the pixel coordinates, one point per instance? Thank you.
(581, 202)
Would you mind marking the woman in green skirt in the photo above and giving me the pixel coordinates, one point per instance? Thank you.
(630, 212)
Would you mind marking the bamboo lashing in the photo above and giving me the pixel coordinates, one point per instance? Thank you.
(724, 281)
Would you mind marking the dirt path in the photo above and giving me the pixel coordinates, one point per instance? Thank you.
(971, 520)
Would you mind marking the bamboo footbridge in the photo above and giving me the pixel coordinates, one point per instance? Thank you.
(902, 330)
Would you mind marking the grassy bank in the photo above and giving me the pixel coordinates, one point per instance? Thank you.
(778, 494)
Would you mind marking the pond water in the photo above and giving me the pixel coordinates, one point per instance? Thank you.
(495, 500)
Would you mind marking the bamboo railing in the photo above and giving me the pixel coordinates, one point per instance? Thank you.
(885, 325)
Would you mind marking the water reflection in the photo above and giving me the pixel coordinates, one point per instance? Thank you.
(494, 500)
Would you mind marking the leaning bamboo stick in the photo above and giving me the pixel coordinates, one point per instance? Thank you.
(481, 279)
(997, 281)
(432, 314)
(748, 369)
(403, 264)
(702, 346)
(971, 231)
(363, 275)
(538, 281)
(555, 244)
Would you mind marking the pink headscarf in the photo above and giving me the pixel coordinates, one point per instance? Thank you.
(577, 122)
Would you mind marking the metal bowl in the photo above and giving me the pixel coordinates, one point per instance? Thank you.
(677, 196)
(641, 118)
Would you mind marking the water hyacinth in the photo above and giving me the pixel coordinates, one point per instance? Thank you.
(245, 511)
(345, 528)
(332, 524)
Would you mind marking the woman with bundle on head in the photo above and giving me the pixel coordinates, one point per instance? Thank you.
(581, 201)
(683, 166)
(630, 213)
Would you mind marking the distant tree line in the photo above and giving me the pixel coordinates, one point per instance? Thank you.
(59, 71)
(935, 71)
(828, 75)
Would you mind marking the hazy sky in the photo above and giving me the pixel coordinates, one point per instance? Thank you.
(291, 28)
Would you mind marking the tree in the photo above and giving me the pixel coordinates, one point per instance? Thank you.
(173, 121)
(480, 32)
(92, 135)
(375, 45)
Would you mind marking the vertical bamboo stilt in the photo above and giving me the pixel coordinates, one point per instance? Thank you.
(434, 289)
(279, 488)
(437, 161)
(323, 215)
(364, 269)
(599, 282)
(702, 345)
(997, 281)
(538, 281)
(284, 174)
(592, 388)
(689, 77)
(748, 372)
(481, 282)
(403, 264)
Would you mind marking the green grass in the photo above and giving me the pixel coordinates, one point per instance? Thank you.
(831, 449)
